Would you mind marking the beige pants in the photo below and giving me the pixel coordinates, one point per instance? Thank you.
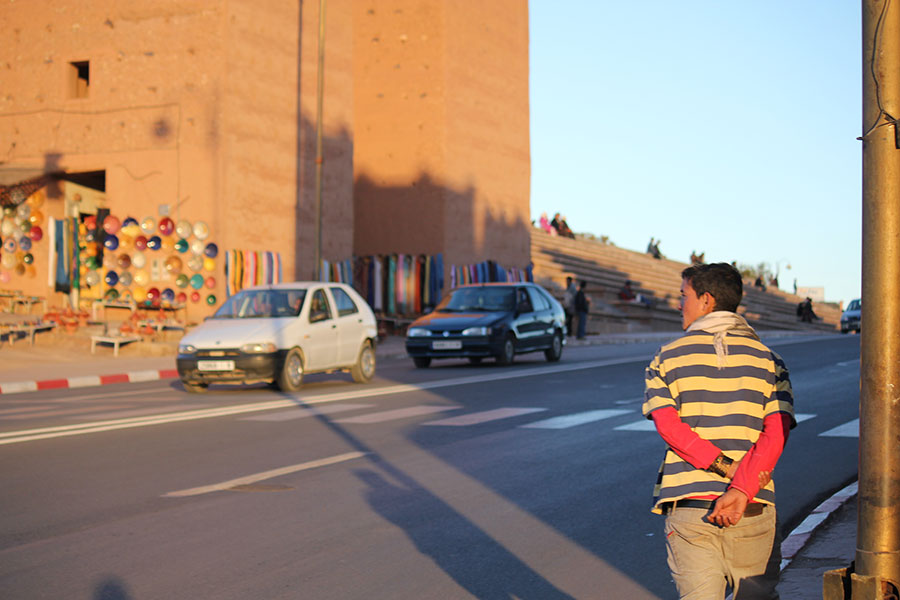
(704, 558)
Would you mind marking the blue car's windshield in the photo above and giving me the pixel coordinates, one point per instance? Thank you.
(479, 299)
(262, 304)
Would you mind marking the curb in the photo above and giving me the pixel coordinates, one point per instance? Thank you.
(87, 381)
(797, 539)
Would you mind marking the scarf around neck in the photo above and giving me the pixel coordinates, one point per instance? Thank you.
(720, 323)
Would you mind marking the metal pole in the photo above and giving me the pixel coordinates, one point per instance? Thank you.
(878, 534)
(320, 94)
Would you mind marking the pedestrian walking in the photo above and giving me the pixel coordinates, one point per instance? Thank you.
(569, 304)
(722, 402)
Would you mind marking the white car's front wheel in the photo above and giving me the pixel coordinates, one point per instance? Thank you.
(291, 376)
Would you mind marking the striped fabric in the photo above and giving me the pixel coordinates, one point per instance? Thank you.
(725, 406)
(245, 268)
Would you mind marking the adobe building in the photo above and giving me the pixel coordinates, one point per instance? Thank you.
(194, 122)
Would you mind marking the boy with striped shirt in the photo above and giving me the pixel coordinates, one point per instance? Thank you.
(722, 402)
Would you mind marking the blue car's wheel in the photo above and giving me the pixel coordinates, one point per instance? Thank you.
(507, 351)
(554, 352)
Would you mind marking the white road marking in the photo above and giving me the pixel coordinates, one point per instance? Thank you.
(35, 408)
(566, 421)
(137, 412)
(849, 363)
(302, 413)
(15, 437)
(800, 417)
(849, 429)
(631, 401)
(642, 425)
(225, 485)
(484, 417)
(140, 392)
(399, 413)
(62, 411)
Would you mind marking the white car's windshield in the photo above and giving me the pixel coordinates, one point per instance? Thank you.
(479, 299)
(262, 304)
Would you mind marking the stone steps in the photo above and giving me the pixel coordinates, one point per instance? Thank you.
(605, 268)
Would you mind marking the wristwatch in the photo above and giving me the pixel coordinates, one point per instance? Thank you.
(720, 465)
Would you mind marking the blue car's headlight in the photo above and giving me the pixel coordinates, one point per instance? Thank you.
(418, 332)
(477, 331)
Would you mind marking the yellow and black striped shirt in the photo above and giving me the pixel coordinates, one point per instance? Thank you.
(726, 406)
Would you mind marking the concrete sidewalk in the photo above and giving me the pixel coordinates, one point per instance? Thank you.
(825, 540)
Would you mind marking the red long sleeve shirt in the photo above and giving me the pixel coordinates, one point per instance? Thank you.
(701, 453)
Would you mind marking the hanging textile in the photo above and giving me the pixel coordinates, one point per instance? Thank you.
(52, 255)
(62, 248)
(426, 281)
(398, 284)
(245, 268)
(378, 280)
(391, 285)
(73, 256)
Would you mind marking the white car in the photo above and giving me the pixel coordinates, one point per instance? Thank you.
(278, 333)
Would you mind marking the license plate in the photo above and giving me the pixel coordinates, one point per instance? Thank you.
(446, 345)
(215, 365)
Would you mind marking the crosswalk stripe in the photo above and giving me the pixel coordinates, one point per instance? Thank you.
(642, 425)
(631, 400)
(849, 429)
(800, 417)
(484, 417)
(400, 413)
(302, 412)
(566, 421)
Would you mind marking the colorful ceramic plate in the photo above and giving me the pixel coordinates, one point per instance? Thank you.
(183, 229)
(201, 230)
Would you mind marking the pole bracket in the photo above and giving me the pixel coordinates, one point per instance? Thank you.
(844, 584)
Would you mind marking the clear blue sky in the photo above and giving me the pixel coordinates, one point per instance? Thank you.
(723, 127)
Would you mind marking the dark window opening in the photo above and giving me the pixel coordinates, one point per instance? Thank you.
(79, 79)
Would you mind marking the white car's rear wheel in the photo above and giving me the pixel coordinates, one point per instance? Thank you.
(364, 369)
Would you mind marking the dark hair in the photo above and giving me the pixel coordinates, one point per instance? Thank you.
(721, 280)
(583, 284)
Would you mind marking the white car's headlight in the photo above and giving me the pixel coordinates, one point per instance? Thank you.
(258, 348)
(186, 349)
(477, 331)
(417, 332)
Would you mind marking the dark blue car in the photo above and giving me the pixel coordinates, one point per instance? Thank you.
(490, 320)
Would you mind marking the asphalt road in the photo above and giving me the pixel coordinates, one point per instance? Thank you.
(458, 481)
